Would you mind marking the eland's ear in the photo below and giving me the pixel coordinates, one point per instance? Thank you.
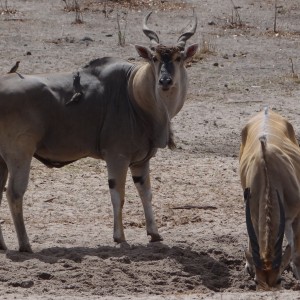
(190, 51)
(286, 257)
(144, 52)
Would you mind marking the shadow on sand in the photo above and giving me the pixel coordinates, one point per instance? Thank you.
(212, 273)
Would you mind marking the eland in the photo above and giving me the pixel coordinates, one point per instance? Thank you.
(270, 177)
(121, 115)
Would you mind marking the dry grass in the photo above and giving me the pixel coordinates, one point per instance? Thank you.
(159, 4)
(78, 13)
(5, 9)
(207, 47)
(234, 20)
(293, 75)
(73, 5)
(108, 5)
(70, 5)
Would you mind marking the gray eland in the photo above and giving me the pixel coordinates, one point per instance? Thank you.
(270, 177)
(122, 116)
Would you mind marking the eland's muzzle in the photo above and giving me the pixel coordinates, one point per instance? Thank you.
(165, 82)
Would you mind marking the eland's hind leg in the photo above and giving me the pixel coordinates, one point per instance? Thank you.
(296, 248)
(117, 170)
(17, 184)
(3, 179)
(141, 178)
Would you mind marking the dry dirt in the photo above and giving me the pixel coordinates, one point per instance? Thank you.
(243, 66)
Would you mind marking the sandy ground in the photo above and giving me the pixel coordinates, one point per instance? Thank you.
(243, 66)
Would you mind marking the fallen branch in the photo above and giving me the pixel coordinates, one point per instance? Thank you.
(50, 200)
(205, 207)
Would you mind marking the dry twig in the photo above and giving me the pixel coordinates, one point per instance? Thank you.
(205, 207)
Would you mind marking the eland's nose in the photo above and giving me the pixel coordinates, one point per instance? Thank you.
(165, 81)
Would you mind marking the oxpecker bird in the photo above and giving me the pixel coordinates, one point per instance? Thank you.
(77, 89)
(14, 68)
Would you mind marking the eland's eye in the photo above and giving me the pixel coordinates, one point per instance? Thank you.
(178, 59)
(154, 58)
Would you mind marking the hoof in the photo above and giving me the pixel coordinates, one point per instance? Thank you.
(250, 271)
(120, 240)
(155, 237)
(123, 245)
(26, 248)
(3, 247)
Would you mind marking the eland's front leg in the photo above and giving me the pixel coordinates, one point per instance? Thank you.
(17, 184)
(141, 179)
(3, 179)
(117, 171)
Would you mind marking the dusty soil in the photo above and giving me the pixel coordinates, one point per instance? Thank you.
(242, 66)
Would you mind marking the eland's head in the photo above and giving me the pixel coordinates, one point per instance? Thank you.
(266, 265)
(167, 61)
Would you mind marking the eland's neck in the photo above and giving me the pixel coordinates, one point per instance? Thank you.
(149, 95)
(174, 98)
(142, 92)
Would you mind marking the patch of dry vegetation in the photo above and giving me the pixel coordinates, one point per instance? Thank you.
(73, 5)
(281, 34)
(158, 4)
(206, 48)
(70, 5)
(293, 75)
(108, 5)
(5, 9)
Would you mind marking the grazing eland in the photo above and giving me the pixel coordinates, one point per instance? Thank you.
(122, 116)
(270, 177)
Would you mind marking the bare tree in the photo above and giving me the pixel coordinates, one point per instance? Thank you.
(121, 34)
(235, 15)
(78, 13)
(276, 8)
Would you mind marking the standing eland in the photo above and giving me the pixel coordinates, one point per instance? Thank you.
(122, 116)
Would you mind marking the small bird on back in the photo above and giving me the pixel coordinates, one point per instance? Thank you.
(14, 68)
(78, 93)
